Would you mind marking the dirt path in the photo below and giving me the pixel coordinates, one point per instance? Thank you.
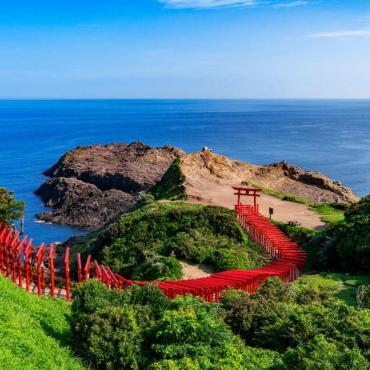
(193, 271)
(208, 190)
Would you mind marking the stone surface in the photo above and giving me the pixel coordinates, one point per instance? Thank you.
(91, 186)
(280, 177)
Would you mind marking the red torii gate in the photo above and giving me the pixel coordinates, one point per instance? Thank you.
(244, 191)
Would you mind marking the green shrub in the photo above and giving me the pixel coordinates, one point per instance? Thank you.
(114, 338)
(244, 312)
(138, 328)
(194, 330)
(140, 263)
(141, 243)
(280, 317)
(110, 325)
(320, 354)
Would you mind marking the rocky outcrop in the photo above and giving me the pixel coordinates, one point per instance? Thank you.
(128, 167)
(210, 168)
(340, 192)
(91, 186)
(81, 204)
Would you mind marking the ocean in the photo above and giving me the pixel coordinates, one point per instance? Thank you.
(332, 137)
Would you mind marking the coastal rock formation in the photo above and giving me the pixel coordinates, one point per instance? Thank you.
(81, 204)
(206, 169)
(337, 191)
(91, 186)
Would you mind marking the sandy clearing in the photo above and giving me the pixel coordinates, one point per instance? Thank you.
(201, 189)
(194, 271)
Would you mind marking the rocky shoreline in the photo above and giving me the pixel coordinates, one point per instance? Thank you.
(92, 186)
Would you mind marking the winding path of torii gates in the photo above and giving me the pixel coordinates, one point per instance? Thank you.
(33, 267)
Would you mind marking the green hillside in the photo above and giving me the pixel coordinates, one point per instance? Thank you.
(143, 243)
(35, 332)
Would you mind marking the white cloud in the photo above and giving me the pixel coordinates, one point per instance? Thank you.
(292, 4)
(345, 34)
(207, 4)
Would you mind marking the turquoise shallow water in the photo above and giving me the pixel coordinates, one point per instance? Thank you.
(330, 136)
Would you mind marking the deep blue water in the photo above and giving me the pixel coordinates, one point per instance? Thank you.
(330, 136)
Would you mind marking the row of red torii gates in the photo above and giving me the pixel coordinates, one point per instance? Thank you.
(41, 270)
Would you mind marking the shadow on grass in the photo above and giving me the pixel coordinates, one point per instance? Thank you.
(348, 295)
(63, 336)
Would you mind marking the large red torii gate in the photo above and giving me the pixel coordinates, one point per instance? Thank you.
(244, 191)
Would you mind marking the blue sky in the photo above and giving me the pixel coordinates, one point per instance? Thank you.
(185, 49)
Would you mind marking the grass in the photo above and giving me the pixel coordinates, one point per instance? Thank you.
(330, 213)
(283, 196)
(35, 332)
(340, 286)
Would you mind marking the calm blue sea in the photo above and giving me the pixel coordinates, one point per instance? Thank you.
(330, 136)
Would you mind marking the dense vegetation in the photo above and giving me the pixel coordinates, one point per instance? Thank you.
(344, 246)
(171, 185)
(140, 328)
(10, 208)
(282, 327)
(35, 332)
(301, 326)
(143, 244)
(301, 323)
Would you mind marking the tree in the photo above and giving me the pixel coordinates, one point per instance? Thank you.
(10, 208)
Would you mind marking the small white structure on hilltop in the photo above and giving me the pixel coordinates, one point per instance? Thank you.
(206, 149)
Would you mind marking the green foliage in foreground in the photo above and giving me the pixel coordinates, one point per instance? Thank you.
(281, 326)
(320, 353)
(141, 243)
(34, 332)
(308, 327)
(10, 208)
(139, 328)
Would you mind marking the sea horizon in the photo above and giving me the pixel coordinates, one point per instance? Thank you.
(329, 136)
(184, 99)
